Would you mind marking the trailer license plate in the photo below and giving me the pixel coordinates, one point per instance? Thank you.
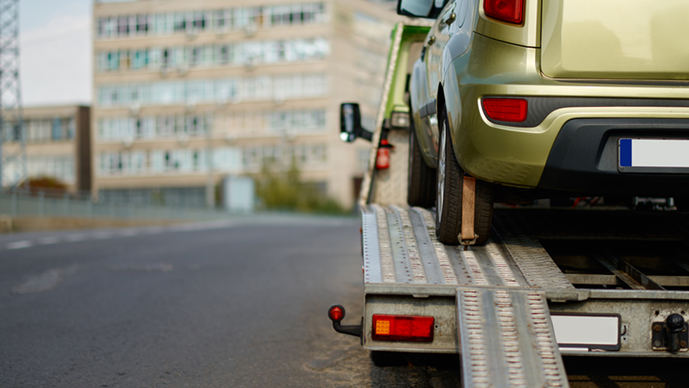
(578, 332)
(653, 153)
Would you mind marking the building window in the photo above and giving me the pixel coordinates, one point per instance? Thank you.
(206, 91)
(199, 21)
(142, 24)
(57, 130)
(180, 24)
(123, 25)
(203, 20)
(245, 53)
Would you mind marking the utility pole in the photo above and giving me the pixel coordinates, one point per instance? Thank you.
(12, 155)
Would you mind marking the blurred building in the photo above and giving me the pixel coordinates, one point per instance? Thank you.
(58, 145)
(187, 93)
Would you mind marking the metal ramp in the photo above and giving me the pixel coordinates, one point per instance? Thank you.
(503, 328)
(506, 339)
(402, 255)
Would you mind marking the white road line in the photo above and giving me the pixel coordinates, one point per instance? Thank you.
(19, 244)
(102, 235)
(202, 226)
(48, 240)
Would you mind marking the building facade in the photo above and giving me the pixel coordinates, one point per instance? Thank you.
(188, 93)
(58, 145)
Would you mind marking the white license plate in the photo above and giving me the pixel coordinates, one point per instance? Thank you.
(586, 332)
(654, 153)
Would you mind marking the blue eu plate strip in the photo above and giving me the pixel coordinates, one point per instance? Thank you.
(626, 152)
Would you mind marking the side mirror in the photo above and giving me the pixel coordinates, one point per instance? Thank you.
(350, 123)
(420, 8)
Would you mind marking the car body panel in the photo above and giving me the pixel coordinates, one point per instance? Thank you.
(616, 41)
(448, 39)
(419, 97)
(483, 57)
(516, 156)
(527, 34)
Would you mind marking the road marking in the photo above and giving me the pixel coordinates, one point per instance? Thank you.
(19, 244)
(102, 235)
(48, 240)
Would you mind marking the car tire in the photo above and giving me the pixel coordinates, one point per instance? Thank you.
(420, 177)
(449, 195)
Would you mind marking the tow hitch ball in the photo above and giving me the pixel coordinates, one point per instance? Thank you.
(671, 335)
(336, 314)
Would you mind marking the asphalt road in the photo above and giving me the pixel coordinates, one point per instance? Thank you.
(240, 303)
(228, 304)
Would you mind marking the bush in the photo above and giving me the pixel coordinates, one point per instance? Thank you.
(43, 184)
(285, 190)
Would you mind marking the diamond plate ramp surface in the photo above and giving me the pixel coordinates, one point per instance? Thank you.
(507, 340)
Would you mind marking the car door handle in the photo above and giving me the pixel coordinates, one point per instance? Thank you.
(428, 109)
(431, 40)
(450, 19)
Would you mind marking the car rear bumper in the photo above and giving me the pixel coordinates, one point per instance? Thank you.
(584, 158)
(572, 148)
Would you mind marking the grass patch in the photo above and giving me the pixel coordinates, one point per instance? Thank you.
(287, 191)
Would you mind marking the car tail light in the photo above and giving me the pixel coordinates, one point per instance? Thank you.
(510, 11)
(506, 109)
(402, 328)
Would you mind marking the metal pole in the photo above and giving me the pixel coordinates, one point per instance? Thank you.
(41, 203)
(210, 183)
(14, 203)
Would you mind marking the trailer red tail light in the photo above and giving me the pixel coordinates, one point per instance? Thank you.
(510, 11)
(336, 313)
(403, 328)
(506, 109)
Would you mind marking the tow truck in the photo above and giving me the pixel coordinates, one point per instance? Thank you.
(588, 282)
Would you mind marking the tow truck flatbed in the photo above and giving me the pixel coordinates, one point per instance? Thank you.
(596, 282)
(494, 304)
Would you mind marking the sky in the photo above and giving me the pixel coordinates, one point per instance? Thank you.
(55, 57)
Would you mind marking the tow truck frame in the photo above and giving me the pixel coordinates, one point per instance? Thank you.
(551, 282)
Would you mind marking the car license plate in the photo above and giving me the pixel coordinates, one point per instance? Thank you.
(653, 153)
(578, 332)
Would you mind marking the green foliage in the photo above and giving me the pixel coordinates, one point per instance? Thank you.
(285, 191)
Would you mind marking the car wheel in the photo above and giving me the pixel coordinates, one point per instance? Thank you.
(450, 180)
(420, 177)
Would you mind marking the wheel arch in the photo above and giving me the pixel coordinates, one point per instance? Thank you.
(448, 103)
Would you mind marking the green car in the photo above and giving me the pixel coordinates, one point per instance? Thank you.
(546, 97)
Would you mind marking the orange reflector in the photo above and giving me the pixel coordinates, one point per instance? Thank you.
(506, 109)
(382, 327)
(402, 328)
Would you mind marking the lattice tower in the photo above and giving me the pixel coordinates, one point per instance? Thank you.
(12, 133)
